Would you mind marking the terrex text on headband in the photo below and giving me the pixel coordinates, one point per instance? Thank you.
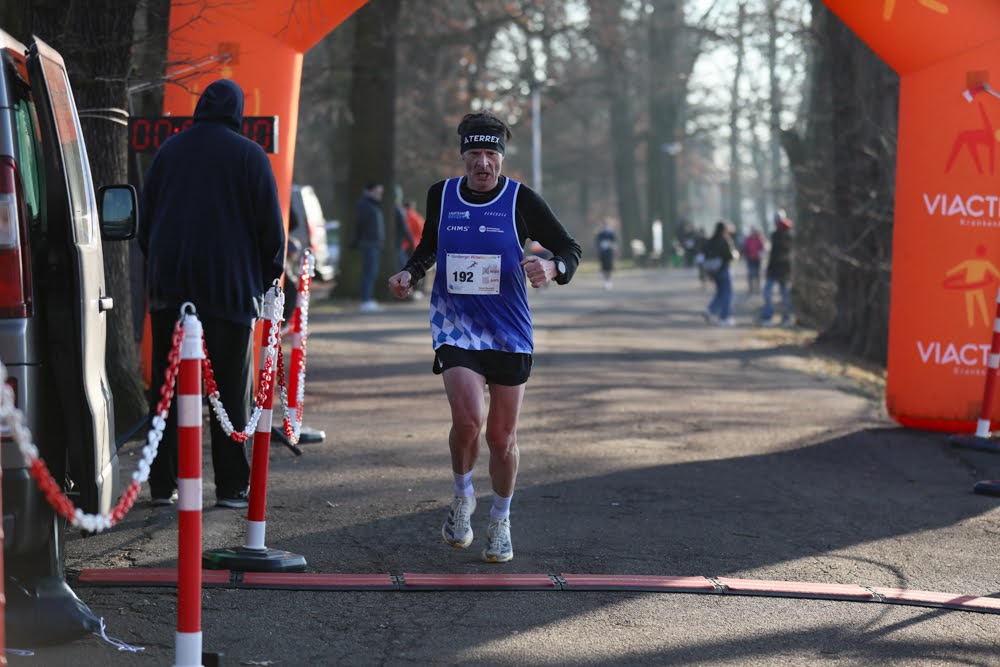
(483, 139)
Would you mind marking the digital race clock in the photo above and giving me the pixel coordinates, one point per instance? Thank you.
(145, 134)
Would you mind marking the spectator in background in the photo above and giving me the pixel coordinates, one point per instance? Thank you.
(753, 252)
(779, 271)
(607, 245)
(720, 252)
(415, 226)
(698, 242)
(369, 237)
(403, 235)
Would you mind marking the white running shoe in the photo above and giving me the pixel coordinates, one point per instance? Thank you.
(498, 547)
(457, 529)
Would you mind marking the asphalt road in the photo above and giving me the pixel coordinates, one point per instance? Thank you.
(651, 444)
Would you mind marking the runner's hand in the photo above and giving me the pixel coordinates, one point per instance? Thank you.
(540, 271)
(400, 285)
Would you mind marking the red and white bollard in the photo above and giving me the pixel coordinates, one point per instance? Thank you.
(295, 338)
(989, 389)
(982, 439)
(292, 432)
(189, 503)
(254, 556)
(262, 436)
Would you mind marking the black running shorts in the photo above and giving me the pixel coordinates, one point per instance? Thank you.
(509, 369)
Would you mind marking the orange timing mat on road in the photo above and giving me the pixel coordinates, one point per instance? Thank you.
(946, 237)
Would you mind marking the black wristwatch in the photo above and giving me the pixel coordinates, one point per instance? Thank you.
(560, 267)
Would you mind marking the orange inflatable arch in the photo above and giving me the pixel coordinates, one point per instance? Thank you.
(257, 43)
(946, 227)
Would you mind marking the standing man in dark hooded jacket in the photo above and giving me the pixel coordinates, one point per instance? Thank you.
(212, 233)
(779, 272)
(369, 236)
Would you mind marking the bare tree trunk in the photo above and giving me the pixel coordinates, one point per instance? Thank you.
(843, 170)
(372, 134)
(773, 174)
(24, 18)
(623, 148)
(145, 98)
(101, 35)
(96, 42)
(734, 205)
(865, 117)
(14, 17)
(671, 59)
(606, 24)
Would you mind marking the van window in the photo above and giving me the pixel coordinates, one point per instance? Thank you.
(27, 147)
(74, 154)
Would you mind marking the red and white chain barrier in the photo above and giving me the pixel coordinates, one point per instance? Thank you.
(92, 523)
(292, 397)
(271, 362)
(188, 362)
(271, 352)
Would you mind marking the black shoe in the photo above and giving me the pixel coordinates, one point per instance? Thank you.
(164, 501)
(308, 436)
(236, 501)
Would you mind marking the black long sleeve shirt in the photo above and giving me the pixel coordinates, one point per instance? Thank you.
(533, 218)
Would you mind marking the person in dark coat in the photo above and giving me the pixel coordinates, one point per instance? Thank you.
(779, 271)
(607, 245)
(212, 234)
(369, 236)
(720, 252)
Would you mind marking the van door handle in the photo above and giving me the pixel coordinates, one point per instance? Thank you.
(105, 303)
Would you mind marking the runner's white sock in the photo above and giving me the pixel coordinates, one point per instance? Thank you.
(463, 484)
(501, 507)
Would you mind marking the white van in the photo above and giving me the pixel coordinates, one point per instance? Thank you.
(53, 312)
(307, 224)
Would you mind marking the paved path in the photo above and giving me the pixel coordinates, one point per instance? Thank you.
(653, 445)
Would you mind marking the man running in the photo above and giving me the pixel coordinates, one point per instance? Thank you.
(480, 318)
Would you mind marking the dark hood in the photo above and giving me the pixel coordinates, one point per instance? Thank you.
(222, 102)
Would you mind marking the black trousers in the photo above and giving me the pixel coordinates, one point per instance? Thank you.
(230, 353)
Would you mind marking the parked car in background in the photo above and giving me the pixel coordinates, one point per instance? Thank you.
(53, 329)
(307, 224)
(333, 241)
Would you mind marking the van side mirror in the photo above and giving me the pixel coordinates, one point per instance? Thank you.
(118, 209)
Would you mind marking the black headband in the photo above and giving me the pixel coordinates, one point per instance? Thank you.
(483, 139)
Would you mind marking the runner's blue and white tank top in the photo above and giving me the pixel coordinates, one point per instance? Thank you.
(480, 295)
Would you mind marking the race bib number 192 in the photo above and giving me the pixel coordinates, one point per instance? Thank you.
(473, 274)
